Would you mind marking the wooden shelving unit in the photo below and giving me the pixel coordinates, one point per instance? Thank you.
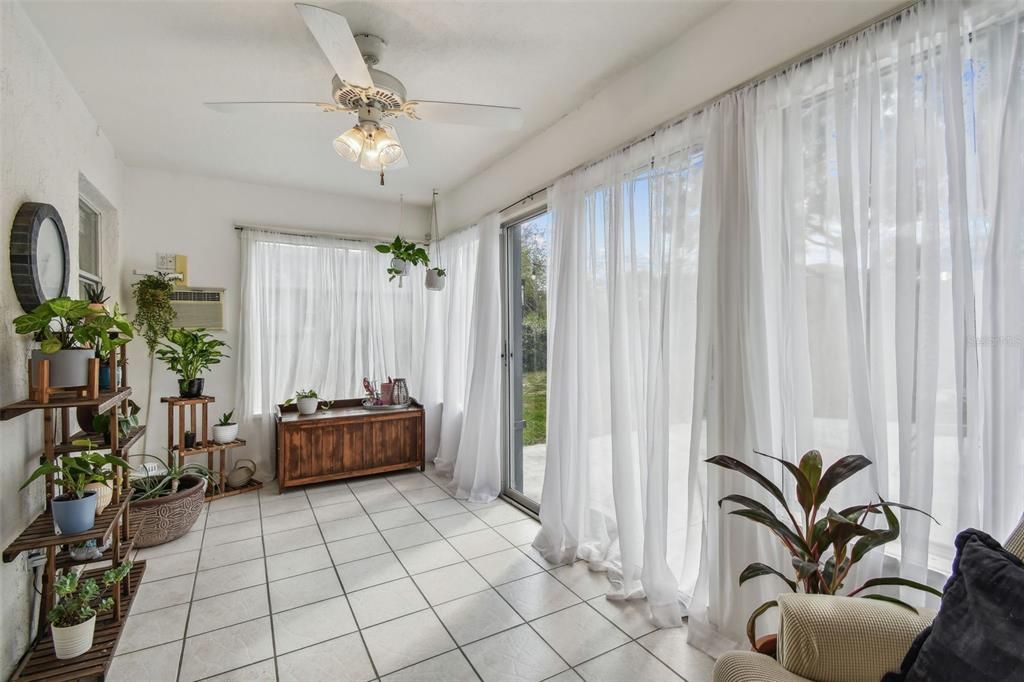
(114, 530)
(193, 414)
(40, 664)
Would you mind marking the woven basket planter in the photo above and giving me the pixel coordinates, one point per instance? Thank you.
(168, 518)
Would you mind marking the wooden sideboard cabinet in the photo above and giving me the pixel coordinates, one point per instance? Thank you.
(347, 440)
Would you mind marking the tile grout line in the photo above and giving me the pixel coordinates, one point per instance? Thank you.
(337, 575)
(458, 647)
(195, 579)
(266, 583)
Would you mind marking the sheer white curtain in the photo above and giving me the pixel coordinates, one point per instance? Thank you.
(887, 247)
(318, 313)
(861, 251)
(621, 335)
(470, 433)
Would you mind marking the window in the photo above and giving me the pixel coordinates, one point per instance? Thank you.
(88, 245)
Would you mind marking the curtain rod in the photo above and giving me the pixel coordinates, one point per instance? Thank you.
(365, 238)
(801, 59)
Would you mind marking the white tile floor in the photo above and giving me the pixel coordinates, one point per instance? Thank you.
(382, 578)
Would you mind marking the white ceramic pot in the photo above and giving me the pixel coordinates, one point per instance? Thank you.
(73, 641)
(400, 265)
(104, 493)
(307, 405)
(225, 433)
(67, 367)
(435, 281)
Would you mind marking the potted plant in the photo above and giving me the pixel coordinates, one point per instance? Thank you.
(154, 315)
(126, 423)
(820, 546)
(169, 503)
(96, 294)
(70, 333)
(188, 353)
(225, 430)
(103, 465)
(73, 617)
(436, 278)
(190, 440)
(74, 510)
(307, 402)
(403, 255)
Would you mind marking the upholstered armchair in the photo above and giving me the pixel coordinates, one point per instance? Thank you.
(875, 638)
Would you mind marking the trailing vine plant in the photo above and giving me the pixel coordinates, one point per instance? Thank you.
(154, 316)
(153, 312)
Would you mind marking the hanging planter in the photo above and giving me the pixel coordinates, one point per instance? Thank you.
(435, 279)
(404, 254)
(436, 275)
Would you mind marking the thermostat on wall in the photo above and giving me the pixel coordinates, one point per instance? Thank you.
(172, 263)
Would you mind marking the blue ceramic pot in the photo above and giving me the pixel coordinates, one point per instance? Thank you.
(75, 515)
(105, 377)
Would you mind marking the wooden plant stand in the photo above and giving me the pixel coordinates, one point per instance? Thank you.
(193, 414)
(115, 523)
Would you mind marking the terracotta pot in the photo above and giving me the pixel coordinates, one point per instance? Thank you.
(73, 641)
(168, 518)
(767, 645)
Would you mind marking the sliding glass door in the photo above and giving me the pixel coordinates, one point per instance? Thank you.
(527, 245)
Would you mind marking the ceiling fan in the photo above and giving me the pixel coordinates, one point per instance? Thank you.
(373, 95)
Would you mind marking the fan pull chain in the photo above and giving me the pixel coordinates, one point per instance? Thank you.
(382, 176)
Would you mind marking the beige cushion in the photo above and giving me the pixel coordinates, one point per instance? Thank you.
(749, 666)
(844, 639)
(1015, 545)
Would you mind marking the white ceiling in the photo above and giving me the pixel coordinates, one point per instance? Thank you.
(145, 68)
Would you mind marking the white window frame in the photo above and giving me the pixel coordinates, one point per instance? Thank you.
(85, 276)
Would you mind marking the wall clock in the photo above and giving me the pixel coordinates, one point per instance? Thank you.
(40, 261)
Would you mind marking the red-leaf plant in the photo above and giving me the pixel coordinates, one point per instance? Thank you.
(820, 547)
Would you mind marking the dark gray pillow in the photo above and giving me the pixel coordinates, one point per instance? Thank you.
(978, 634)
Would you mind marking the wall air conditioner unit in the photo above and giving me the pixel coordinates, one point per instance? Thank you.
(197, 307)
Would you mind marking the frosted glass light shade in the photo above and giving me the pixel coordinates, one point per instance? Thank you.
(389, 148)
(349, 144)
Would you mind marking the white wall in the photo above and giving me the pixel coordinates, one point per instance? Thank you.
(740, 41)
(195, 216)
(47, 140)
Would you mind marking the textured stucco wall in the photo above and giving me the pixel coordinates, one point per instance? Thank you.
(48, 141)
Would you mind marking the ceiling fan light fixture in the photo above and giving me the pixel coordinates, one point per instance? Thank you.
(389, 147)
(350, 144)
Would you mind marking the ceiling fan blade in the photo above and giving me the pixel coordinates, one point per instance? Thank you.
(331, 32)
(275, 107)
(508, 118)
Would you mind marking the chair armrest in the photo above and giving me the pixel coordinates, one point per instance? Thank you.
(844, 639)
(750, 666)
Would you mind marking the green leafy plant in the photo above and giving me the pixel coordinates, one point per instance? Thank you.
(168, 482)
(154, 314)
(79, 600)
(74, 472)
(65, 323)
(188, 353)
(827, 544)
(226, 419)
(404, 251)
(126, 423)
(306, 394)
(440, 271)
(95, 293)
